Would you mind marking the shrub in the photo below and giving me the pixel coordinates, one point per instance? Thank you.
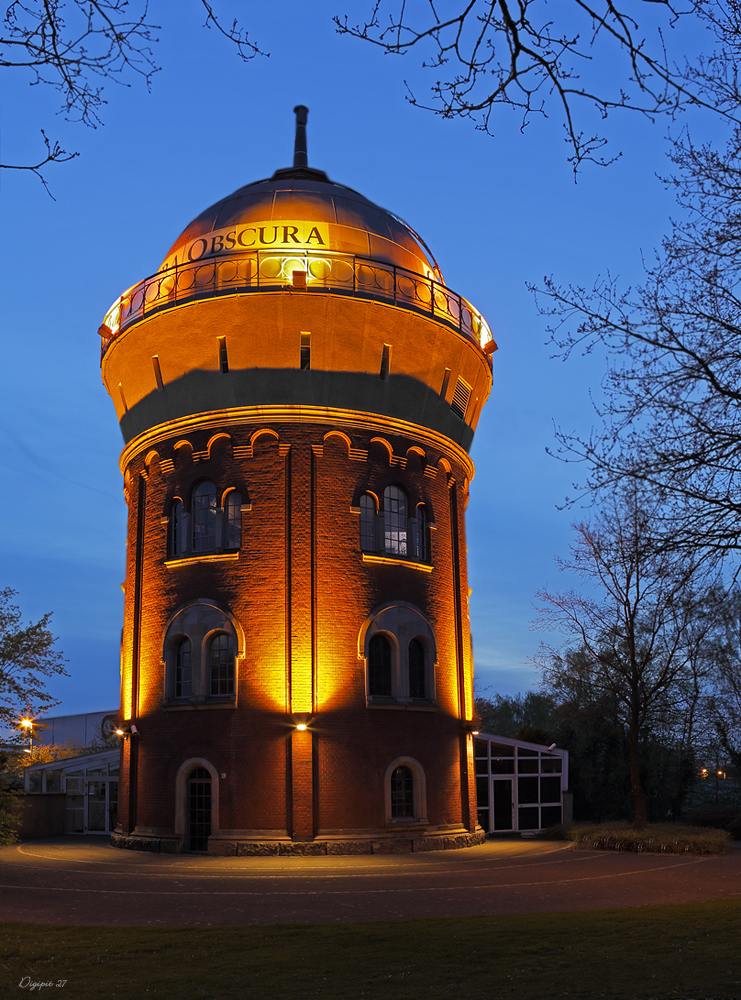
(655, 839)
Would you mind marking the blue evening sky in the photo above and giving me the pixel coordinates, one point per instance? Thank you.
(497, 212)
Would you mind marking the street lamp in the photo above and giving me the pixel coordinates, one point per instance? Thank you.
(27, 724)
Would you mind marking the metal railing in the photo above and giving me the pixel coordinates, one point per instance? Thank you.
(265, 271)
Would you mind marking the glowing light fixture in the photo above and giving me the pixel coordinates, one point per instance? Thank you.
(301, 726)
(126, 730)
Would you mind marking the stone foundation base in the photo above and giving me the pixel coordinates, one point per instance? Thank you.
(155, 845)
(309, 848)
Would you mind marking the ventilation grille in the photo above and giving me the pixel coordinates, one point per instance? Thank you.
(461, 397)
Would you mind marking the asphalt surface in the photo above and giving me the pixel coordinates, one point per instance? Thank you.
(85, 881)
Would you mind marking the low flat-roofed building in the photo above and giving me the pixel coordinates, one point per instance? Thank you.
(520, 787)
(73, 730)
(89, 784)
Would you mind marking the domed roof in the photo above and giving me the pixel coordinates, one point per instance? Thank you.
(300, 209)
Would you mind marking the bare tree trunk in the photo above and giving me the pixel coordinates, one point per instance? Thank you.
(640, 802)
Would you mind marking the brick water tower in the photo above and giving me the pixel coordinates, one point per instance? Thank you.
(297, 390)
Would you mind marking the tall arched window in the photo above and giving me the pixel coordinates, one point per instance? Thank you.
(379, 666)
(199, 809)
(221, 663)
(200, 652)
(176, 529)
(420, 544)
(183, 669)
(417, 669)
(367, 523)
(233, 520)
(395, 521)
(402, 793)
(205, 509)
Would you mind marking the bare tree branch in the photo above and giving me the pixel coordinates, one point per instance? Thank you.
(670, 410)
(643, 635)
(77, 46)
(543, 59)
(54, 154)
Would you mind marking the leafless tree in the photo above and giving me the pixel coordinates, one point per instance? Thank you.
(670, 414)
(541, 59)
(76, 46)
(633, 640)
(724, 704)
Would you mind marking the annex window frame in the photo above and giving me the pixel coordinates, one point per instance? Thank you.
(520, 787)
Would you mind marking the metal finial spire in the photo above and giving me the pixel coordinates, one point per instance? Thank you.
(300, 155)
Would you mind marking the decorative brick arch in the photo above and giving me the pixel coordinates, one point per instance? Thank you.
(420, 791)
(181, 806)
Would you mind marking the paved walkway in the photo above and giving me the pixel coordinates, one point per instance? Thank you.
(84, 881)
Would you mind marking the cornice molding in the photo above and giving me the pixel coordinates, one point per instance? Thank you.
(295, 414)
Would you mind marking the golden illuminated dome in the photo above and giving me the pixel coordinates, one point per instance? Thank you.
(300, 209)
(348, 291)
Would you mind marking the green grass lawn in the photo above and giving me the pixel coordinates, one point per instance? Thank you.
(666, 952)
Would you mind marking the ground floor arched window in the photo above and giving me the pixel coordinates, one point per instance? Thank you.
(402, 793)
(405, 792)
(198, 824)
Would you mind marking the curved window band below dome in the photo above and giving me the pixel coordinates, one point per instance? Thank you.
(310, 271)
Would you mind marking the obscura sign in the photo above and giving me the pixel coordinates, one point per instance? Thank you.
(281, 235)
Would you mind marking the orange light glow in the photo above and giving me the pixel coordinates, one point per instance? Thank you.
(27, 723)
(294, 413)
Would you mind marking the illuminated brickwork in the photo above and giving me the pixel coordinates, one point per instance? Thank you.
(296, 471)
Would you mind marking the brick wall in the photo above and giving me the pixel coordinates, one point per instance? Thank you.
(300, 593)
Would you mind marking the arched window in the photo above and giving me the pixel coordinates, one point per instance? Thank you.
(395, 521)
(367, 523)
(379, 667)
(199, 809)
(420, 544)
(176, 529)
(402, 793)
(221, 664)
(205, 509)
(417, 669)
(400, 653)
(183, 669)
(200, 649)
(233, 520)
